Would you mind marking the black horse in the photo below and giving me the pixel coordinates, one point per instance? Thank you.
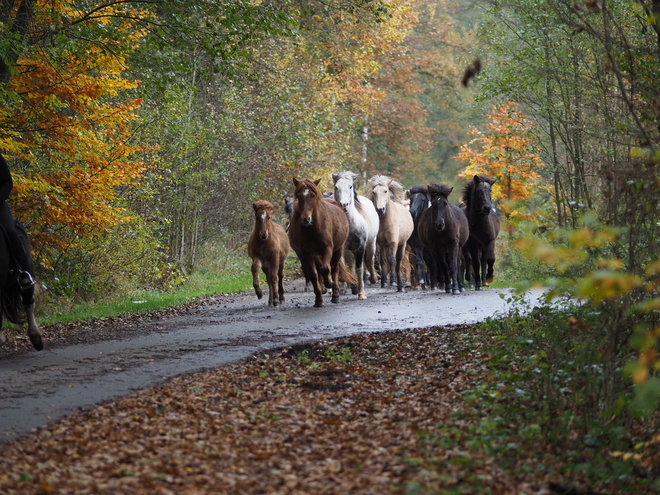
(484, 228)
(443, 228)
(419, 202)
(17, 306)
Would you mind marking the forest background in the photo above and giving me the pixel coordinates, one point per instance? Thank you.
(139, 134)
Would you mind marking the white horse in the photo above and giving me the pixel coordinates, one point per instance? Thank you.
(360, 247)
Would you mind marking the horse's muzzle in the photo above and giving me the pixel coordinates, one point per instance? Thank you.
(306, 221)
(440, 226)
(264, 236)
(381, 211)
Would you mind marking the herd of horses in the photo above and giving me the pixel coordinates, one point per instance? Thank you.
(335, 235)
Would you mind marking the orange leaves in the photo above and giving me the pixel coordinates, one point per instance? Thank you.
(507, 151)
(72, 139)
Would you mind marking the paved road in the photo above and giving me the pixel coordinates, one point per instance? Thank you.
(38, 388)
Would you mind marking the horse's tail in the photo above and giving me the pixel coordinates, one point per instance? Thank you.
(345, 275)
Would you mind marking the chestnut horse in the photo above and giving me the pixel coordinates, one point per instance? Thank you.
(268, 248)
(396, 227)
(443, 229)
(484, 228)
(318, 230)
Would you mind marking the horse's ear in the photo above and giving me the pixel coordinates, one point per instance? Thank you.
(450, 190)
(492, 181)
(476, 179)
(255, 207)
(295, 182)
(317, 181)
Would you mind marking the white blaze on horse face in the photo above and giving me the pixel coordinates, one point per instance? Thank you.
(264, 231)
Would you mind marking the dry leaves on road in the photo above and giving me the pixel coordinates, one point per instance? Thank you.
(346, 416)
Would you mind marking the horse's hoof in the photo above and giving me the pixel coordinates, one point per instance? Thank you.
(455, 292)
(260, 294)
(318, 304)
(362, 297)
(37, 342)
(334, 300)
(354, 289)
(448, 291)
(275, 304)
(477, 288)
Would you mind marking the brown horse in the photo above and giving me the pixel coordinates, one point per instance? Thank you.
(318, 230)
(443, 229)
(484, 228)
(268, 248)
(396, 227)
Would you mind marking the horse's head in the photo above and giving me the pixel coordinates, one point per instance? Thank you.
(307, 197)
(263, 213)
(477, 194)
(380, 195)
(345, 192)
(419, 200)
(439, 194)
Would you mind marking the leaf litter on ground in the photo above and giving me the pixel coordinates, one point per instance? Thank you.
(367, 414)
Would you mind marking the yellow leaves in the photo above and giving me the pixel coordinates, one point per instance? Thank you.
(507, 151)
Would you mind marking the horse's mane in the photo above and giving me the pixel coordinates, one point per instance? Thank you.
(469, 187)
(309, 184)
(436, 189)
(395, 187)
(262, 203)
(418, 189)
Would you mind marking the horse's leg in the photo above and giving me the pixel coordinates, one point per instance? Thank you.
(394, 263)
(400, 251)
(383, 265)
(359, 271)
(334, 275)
(256, 268)
(453, 269)
(280, 280)
(369, 257)
(33, 328)
(476, 267)
(490, 261)
(314, 277)
(419, 264)
(271, 276)
(444, 269)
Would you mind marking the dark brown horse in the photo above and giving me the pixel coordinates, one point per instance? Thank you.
(443, 229)
(318, 230)
(268, 248)
(17, 306)
(484, 228)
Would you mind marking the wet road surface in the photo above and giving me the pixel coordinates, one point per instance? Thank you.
(40, 387)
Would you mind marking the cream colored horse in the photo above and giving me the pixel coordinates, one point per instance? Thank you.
(396, 226)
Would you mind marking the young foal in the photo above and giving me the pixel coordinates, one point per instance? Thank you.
(443, 228)
(268, 248)
(363, 224)
(319, 229)
(396, 226)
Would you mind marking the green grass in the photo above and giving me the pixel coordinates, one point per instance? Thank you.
(196, 285)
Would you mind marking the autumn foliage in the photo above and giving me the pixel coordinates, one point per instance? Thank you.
(507, 150)
(67, 122)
